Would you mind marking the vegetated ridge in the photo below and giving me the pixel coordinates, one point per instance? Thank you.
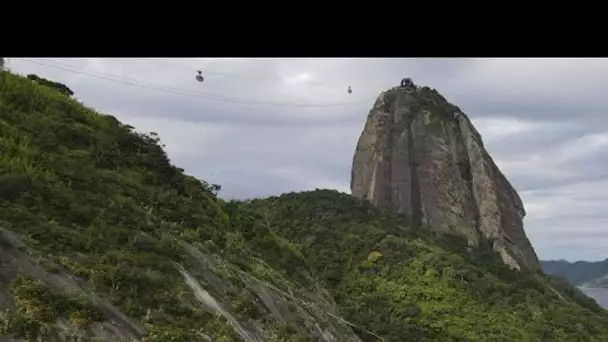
(102, 238)
(420, 155)
(581, 273)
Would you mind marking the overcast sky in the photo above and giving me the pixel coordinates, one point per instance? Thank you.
(263, 127)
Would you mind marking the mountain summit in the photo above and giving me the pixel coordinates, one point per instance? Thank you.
(420, 155)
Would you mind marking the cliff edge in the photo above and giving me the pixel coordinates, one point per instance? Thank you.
(420, 155)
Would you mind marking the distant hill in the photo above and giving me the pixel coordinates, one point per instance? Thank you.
(102, 238)
(581, 273)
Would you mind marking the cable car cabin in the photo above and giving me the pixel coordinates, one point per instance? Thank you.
(199, 77)
(349, 90)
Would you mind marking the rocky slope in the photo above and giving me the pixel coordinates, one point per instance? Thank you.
(103, 239)
(421, 156)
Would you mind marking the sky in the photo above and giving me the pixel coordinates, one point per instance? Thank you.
(261, 127)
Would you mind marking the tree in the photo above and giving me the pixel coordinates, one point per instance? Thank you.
(215, 188)
(60, 87)
(1, 63)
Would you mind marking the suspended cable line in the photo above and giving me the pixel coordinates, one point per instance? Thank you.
(255, 76)
(180, 91)
(259, 76)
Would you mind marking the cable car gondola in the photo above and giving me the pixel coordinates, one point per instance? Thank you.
(199, 77)
(349, 90)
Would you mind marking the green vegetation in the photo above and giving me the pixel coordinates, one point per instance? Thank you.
(38, 308)
(443, 111)
(430, 99)
(402, 284)
(92, 196)
(60, 87)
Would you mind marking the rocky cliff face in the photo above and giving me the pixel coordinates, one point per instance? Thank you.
(421, 156)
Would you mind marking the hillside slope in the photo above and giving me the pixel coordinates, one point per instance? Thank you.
(395, 279)
(102, 238)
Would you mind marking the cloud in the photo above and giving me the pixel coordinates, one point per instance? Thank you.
(250, 125)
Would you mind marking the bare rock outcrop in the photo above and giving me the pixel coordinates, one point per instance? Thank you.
(219, 287)
(421, 156)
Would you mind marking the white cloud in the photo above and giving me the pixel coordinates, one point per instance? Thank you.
(561, 161)
(554, 79)
(572, 200)
(583, 147)
(507, 127)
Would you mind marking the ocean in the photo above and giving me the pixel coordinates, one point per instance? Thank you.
(599, 294)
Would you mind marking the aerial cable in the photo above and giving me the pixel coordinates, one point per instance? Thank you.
(255, 76)
(180, 91)
(207, 95)
(260, 75)
(189, 69)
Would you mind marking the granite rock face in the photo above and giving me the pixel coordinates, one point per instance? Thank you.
(421, 156)
(210, 278)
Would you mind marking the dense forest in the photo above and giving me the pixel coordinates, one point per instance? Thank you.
(88, 198)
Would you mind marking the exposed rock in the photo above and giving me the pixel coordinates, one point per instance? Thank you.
(15, 260)
(216, 284)
(211, 279)
(421, 156)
